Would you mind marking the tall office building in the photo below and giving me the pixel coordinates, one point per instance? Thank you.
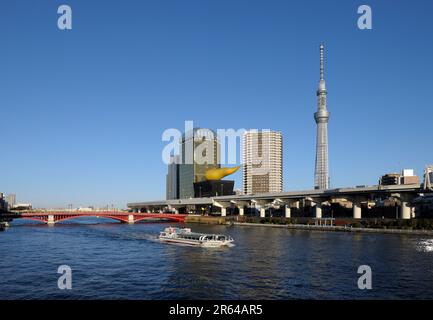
(200, 152)
(262, 162)
(172, 180)
(428, 177)
(11, 200)
(321, 174)
(3, 204)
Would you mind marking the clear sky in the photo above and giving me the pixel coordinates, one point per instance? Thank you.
(82, 111)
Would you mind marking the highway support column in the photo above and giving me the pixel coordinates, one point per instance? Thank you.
(318, 210)
(223, 212)
(287, 211)
(356, 210)
(241, 211)
(405, 210)
(262, 212)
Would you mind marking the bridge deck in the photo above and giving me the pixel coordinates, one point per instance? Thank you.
(57, 216)
(292, 195)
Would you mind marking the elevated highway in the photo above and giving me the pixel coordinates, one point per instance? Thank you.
(404, 193)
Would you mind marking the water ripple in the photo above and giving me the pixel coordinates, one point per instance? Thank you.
(118, 261)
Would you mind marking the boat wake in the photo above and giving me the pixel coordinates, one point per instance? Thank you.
(149, 237)
(425, 245)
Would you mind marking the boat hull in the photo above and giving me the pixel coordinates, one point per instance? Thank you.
(205, 244)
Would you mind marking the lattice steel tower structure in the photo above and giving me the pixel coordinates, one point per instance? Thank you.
(321, 173)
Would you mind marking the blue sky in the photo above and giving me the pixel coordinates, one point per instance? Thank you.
(82, 111)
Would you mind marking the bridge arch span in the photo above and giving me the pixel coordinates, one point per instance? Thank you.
(124, 217)
(60, 219)
(38, 219)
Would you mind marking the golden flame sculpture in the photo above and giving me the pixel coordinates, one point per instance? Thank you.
(219, 173)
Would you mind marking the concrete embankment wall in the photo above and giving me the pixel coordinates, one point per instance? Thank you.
(205, 219)
(337, 228)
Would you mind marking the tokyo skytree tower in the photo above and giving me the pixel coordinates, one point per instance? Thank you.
(321, 173)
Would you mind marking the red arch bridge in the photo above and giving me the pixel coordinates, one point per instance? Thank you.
(51, 217)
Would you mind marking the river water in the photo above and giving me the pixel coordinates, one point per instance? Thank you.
(110, 260)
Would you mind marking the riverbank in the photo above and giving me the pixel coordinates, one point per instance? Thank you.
(388, 226)
(205, 219)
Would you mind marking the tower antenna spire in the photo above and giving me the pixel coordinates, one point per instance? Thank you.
(322, 47)
(321, 173)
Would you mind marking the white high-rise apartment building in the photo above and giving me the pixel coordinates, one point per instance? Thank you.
(262, 161)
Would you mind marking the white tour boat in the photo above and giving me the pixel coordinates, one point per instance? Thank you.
(185, 236)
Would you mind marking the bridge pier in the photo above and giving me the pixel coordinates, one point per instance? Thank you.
(131, 219)
(356, 210)
(287, 211)
(50, 220)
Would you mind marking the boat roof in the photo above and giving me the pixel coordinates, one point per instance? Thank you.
(202, 234)
(181, 230)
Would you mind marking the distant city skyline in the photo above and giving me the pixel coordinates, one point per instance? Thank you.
(83, 110)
